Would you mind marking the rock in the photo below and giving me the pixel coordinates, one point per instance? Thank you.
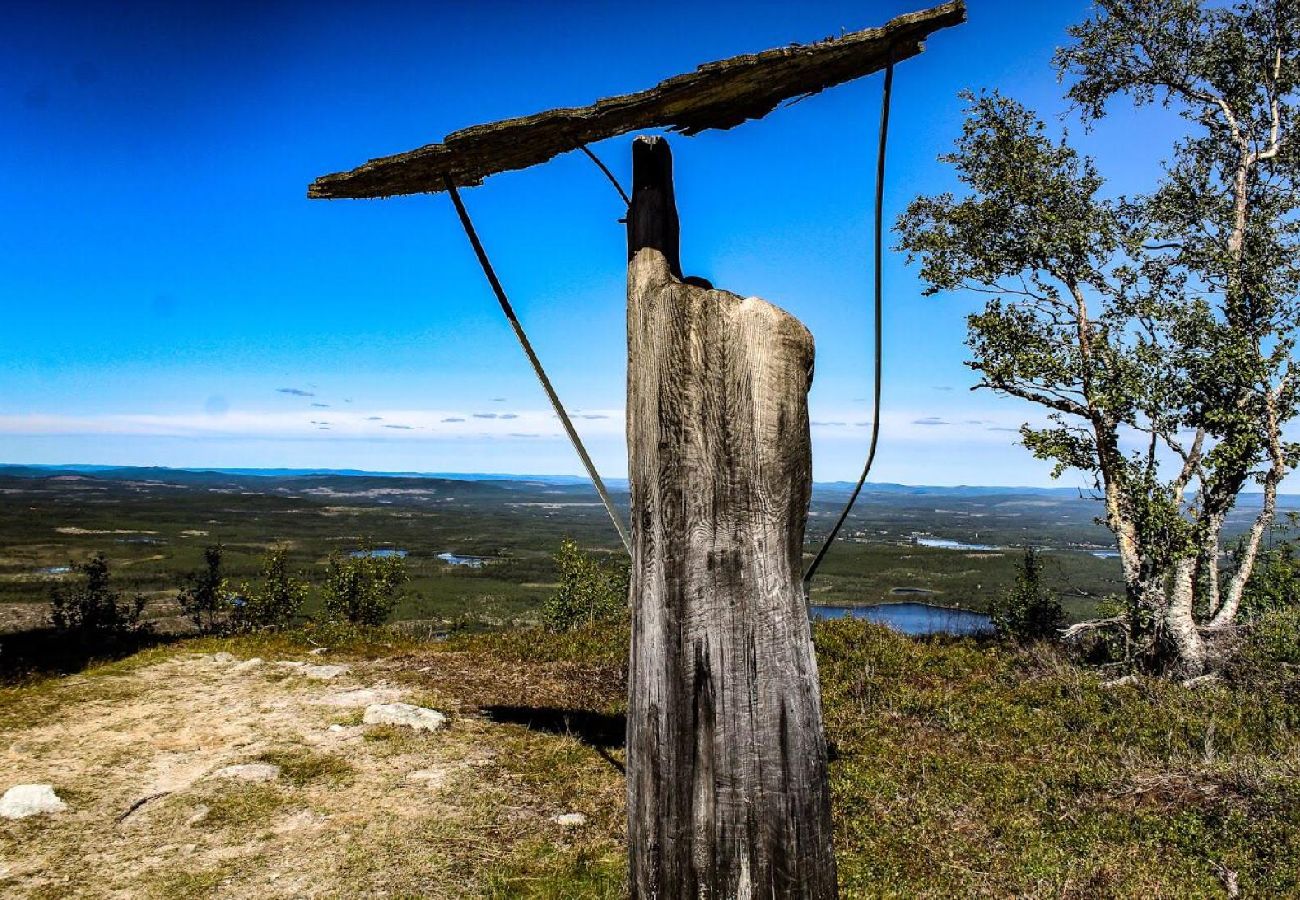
(324, 673)
(316, 673)
(320, 651)
(223, 657)
(434, 778)
(246, 666)
(200, 813)
(416, 717)
(1201, 680)
(24, 800)
(1126, 681)
(360, 697)
(249, 772)
(570, 820)
(336, 727)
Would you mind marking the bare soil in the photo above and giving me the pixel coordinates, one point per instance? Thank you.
(356, 810)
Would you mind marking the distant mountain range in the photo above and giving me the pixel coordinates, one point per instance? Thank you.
(193, 475)
(163, 473)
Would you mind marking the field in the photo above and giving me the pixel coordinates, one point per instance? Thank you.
(154, 523)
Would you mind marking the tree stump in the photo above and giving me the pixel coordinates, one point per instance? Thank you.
(726, 756)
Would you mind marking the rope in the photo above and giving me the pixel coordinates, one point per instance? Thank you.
(627, 201)
(879, 254)
(536, 363)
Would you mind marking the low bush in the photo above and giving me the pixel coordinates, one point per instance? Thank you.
(204, 598)
(1028, 611)
(276, 602)
(361, 588)
(91, 610)
(590, 590)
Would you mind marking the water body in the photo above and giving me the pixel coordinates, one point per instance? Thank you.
(473, 562)
(948, 544)
(383, 553)
(1105, 554)
(54, 570)
(912, 618)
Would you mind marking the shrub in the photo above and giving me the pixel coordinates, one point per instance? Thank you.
(92, 609)
(1274, 637)
(1028, 612)
(361, 588)
(203, 598)
(277, 601)
(1275, 581)
(590, 590)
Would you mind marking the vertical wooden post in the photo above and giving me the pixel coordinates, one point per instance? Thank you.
(727, 788)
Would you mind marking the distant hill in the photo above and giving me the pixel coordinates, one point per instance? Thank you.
(825, 490)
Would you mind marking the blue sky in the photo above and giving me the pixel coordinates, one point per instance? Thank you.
(171, 298)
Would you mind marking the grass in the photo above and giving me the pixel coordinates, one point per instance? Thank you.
(963, 768)
(300, 765)
(978, 770)
(960, 767)
(244, 805)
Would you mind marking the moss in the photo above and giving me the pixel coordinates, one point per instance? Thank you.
(187, 883)
(300, 766)
(244, 806)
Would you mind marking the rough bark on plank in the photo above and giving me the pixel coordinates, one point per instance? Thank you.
(726, 756)
(716, 95)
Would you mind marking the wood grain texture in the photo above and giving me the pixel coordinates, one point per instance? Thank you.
(727, 786)
(720, 94)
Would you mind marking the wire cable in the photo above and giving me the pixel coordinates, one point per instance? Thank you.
(627, 201)
(879, 255)
(536, 363)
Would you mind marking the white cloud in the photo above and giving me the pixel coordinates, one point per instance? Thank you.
(387, 424)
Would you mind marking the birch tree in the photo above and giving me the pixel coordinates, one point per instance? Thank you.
(1155, 332)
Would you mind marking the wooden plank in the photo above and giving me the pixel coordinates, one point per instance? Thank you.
(726, 757)
(716, 95)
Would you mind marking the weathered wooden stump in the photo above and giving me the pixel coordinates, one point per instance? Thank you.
(727, 789)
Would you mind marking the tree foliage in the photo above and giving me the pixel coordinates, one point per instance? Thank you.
(1155, 332)
(590, 590)
(1028, 611)
(1275, 583)
(90, 609)
(361, 588)
(273, 603)
(204, 598)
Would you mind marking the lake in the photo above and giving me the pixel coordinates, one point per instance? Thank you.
(948, 544)
(473, 562)
(912, 618)
(382, 553)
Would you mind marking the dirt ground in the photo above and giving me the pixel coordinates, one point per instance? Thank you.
(356, 810)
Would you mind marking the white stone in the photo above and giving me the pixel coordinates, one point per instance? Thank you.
(416, 717)
(433, 778)
(246, 666)
(249, 772)
(316, 673)
(324, 673)
(320, 651)
(24, 800)
(359, 697)
(570, 820)
(223, 657)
